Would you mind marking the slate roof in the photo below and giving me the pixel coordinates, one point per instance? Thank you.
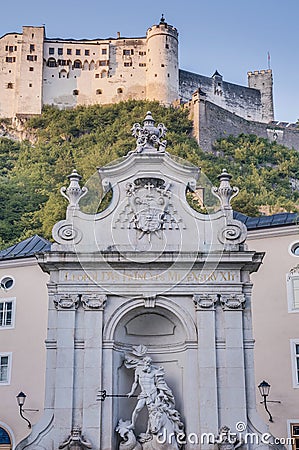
(276, 220)
(26, 248)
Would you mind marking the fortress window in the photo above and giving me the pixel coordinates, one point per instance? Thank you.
(128, 64)
(103, 74)
(51, 62)
(31, 58)
(77, 64)
(68, 51)
(78, 51)
(99, 91)
(63, 74)
(97, 75)
(32, 48)
(156, 75)
(142, 53)
(86, 52)
(126, 52)
(51, 50)
(166, 45)
(62, 62)
(9, 86)
(119, 91)
(132, 52)
(31, 69)
(162, 65)
(10, 59)
(142, 64)
(30, 85)
(104, 51)
(75, 92)
(60, 51)
(103, 63)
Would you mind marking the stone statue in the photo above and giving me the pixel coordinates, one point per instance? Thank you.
(75, 441)
(164, 422)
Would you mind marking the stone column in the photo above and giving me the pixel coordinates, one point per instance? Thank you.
(93, 305)
(205, 314)
(232, 386)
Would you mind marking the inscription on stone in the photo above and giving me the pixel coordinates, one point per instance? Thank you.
(134, 276)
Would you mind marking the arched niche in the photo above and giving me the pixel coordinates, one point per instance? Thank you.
(167, 331)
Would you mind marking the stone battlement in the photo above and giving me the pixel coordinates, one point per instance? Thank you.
(260, 72)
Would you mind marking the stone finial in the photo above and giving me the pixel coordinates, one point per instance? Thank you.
(73, 193)
(225, 193)
(149, 137)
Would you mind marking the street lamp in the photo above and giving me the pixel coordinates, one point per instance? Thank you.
(21, 397)
(264, 389)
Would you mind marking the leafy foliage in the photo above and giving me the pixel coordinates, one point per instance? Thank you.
(88, 137)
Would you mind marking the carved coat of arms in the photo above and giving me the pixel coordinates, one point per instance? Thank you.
(149, 200)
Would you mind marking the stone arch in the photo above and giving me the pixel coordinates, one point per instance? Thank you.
(163, 303)
(92, 65)
(98, 91)
(85, 65)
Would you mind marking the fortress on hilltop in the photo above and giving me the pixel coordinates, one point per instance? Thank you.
(37, 71)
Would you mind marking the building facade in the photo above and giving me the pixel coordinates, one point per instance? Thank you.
(23, 330)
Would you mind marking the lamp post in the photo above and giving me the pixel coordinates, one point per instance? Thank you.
(21, 397)
(264, 389)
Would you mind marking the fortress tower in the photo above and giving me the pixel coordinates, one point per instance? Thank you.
(263, 81)
(28, 97)
(162, 76)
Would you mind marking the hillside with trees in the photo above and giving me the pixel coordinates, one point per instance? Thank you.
(85, 138)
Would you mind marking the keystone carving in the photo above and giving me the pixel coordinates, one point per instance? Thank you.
(75, 441)
(205, 301)
(66, 301)
(232, 301)
(94, 301)
(150, 301)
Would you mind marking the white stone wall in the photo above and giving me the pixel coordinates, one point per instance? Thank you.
(28, 94)
(10, 50)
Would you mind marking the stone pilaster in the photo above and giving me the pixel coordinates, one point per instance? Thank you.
(232, 387)
(205, 305)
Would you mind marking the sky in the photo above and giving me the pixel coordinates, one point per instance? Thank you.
(232, 36)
